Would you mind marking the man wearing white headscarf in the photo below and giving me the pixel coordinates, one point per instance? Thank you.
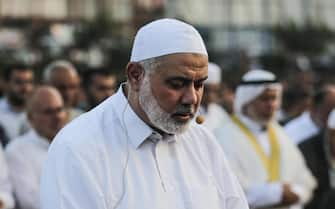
(139, 148)
(269, 167)
(214, 114)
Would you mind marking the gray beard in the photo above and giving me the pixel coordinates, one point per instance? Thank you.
(157, 116)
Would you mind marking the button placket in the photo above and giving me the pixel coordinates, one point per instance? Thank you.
(162, 152)
(156, 139)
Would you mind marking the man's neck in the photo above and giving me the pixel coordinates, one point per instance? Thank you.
(253, 124)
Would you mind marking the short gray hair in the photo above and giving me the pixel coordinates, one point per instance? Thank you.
(53, 66)
(150, 65)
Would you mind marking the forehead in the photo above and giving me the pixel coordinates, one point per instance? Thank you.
(183, 64)
(47, 100)
(270, 92)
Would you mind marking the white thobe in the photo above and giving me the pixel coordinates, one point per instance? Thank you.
(25, 157)
(215, 116)
(5, 186)
(104, 160)
(14, 123)
(249, 168)
(301, 128)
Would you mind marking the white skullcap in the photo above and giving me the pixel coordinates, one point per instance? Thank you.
(214, 74)
(331, 120)
(164, 37)
(253, 84)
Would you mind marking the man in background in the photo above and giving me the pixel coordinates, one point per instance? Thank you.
(26, 154)
(98, 84)
(213, 113)
(310, 123)
(20, 84)
(269, 166)
(63, 76)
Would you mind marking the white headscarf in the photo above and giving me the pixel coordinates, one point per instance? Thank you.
(214, 74)
(253, 84)
(164, 37)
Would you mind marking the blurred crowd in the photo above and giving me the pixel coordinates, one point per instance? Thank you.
(31, 114)
(36, 103)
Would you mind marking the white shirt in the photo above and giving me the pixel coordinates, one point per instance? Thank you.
(251, 172)
(25, 157)
(14, 123)
(104, 160)
(5, 186)
(301, 128)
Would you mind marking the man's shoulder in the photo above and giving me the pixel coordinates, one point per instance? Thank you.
(299, 121)
(301, 128)
(204, 138)
(82, 127)
(21, 144)
(197, 131)
(87, 130)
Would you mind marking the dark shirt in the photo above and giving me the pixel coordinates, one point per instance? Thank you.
(315, 156)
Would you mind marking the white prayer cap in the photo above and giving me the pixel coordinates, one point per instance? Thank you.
(331, 120)
(253, 84)
(214, 74)
(164, 37)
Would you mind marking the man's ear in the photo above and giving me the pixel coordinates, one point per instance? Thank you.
(135, 75)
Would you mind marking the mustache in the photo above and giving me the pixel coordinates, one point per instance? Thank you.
(185, 109)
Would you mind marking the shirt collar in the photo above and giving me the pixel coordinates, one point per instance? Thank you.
(136, 129)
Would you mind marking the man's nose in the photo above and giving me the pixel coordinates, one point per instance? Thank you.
(190, 95)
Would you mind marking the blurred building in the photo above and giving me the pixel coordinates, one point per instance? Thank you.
(225, 24)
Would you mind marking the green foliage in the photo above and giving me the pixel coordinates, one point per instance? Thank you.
(92, 31)
(308, 38)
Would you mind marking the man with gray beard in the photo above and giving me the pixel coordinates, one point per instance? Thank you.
(139, 148)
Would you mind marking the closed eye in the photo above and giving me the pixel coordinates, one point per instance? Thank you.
(199, 84)
(178, 83)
